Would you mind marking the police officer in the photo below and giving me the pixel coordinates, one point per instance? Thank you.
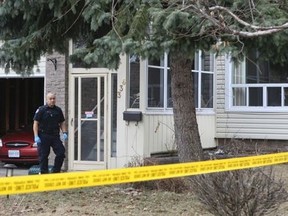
(48, 120)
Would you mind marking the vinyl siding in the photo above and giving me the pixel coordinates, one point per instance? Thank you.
(38, 71)
(159, 132)
(245, 125)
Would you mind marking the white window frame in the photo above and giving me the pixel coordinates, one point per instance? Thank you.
(165, 68)
(200, 72)
(229, 91)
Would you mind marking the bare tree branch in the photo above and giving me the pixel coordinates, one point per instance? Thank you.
(258, 33)
(252, 7)
(219, 21)
(220, 8)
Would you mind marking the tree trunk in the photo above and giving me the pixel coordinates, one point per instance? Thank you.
(185, 123)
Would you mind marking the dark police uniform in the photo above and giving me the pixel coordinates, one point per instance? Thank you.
(49, 119)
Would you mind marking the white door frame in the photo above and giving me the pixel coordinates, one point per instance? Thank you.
(88, 164)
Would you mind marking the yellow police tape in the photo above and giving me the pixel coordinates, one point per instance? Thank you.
(37, 183)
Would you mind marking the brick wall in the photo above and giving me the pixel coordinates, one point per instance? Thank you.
(56, 78)
(57, 81)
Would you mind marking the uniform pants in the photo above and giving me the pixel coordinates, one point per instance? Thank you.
(48, 141)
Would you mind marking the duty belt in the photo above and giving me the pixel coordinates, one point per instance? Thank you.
(48, 132)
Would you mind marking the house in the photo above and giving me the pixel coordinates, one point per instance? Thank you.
(119, 117)
(245, 101)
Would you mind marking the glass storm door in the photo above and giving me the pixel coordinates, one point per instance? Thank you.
(89, 123)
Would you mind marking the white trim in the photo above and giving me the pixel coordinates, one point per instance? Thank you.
(199, 72)
(259, 110)
(165, 86)
(12, 76)
(39, 70)
(78, 118)
(229, 94)
(79, 164)
(198, 63)
(89, 70)
(201, 111)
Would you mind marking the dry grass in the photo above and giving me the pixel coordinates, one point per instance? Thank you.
(163, 197)
(114, 200)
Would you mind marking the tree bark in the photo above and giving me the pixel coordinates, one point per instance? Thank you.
(185, 123)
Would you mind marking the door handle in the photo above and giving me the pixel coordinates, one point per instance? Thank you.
(71, 121)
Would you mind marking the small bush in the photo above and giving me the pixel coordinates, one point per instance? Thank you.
(177, 185)
(252, 192)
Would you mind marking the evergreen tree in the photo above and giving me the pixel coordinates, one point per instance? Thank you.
(107, 28)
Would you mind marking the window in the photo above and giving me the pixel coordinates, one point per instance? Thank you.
(203, 78)
(159, 81)
(134, 81)
(259, 84)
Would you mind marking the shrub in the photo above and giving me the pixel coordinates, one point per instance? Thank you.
(252, 192)
(177, 185)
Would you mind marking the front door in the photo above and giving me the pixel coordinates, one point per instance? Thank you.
(88, 122)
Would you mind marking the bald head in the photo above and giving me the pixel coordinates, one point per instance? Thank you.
(51, 99)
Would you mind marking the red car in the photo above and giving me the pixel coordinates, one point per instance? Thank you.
(18, 147)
